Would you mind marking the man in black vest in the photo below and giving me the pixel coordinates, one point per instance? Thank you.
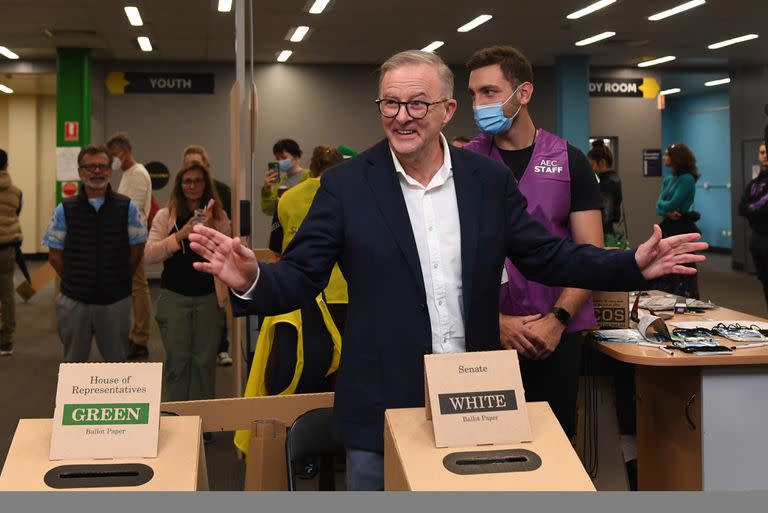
(96, 242)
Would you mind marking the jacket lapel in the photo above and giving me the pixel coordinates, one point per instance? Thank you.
(469, 194)
(385, 186)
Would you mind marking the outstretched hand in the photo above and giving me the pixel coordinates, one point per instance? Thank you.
(231, 262)
(657, 257)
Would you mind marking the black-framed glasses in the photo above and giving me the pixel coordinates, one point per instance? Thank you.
(94, 167)
(189, 182)
(417, 109)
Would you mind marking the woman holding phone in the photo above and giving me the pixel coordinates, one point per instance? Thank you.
(187, 311)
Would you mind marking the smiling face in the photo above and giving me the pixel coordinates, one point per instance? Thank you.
(94, 171)
(411, 138)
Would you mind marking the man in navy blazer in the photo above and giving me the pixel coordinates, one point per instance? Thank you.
(420, 231)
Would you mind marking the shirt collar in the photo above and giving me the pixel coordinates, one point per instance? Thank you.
(443, 174)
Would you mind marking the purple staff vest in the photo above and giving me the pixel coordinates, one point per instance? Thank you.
(546, 184)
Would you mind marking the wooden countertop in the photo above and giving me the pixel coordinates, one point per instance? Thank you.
(643, 355)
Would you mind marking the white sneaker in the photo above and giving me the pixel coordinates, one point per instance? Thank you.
(224, 359)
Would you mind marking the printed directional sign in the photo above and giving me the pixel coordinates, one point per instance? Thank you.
(137, 82)
(624, 87)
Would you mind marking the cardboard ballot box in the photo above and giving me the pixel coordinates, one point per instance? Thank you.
(611, 309)
(179, 465)
(412, 462)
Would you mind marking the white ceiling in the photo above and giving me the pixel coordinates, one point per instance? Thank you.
(367, 31)
(36, 85)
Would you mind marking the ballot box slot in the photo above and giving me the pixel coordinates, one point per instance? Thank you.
(491, 462)
(113, 475)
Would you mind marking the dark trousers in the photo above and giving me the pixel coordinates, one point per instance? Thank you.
(685, 285)
(758, 246)
(556, 380)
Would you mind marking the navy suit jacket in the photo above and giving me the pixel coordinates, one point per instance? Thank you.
(359, 218)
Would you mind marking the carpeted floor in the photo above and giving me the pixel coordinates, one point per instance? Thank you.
(28, 382)
(28, 378)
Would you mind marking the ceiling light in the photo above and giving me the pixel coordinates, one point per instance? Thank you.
(590, 9)
(144, 43)
(654, 62)
(299, 33)
(5, 51)
(225, 5)
(717, 82)
(5, 89)
(669, 91)
(318, 6)
(434, 45)
(595, 39)
(284, 56)
(134, 18)
(475, 23)
(728, 42)
(676, 10)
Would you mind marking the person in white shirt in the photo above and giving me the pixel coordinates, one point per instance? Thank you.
(420, 231)
(136, 184)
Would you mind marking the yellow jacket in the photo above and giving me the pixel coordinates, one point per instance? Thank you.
(257, 385)
(269, 197)
(291, 211)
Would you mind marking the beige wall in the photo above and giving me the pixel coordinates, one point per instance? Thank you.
(27, 133)
(4, 121)
(46, 168)
(637, 124)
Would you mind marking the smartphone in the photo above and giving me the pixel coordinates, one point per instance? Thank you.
(274, 166)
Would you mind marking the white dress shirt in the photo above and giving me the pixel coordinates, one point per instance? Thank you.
(136, 184)
(434, 215)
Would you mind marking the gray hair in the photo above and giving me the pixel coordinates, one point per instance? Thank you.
(409, 57)
(119, 139)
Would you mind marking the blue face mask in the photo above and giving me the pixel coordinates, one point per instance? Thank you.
(285, 164)
(491, 119)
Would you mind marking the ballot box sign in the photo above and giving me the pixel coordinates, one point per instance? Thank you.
(106, 410)
(476, 398)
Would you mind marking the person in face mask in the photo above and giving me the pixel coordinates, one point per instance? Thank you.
(136, 184)
(287, 154)
(542, 323)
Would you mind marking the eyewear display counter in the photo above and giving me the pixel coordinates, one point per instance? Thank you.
(701, 420)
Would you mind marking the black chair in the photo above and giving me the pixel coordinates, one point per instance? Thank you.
(310, 437)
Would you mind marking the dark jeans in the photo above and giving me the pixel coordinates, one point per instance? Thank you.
(556, 380)
(758, 246)
(365, 471)
(684, 285)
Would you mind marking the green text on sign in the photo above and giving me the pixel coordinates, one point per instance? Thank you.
(105, 414)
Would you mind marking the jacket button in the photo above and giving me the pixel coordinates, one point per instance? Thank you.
(423, 307)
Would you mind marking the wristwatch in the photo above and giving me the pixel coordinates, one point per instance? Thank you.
(562, 315)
